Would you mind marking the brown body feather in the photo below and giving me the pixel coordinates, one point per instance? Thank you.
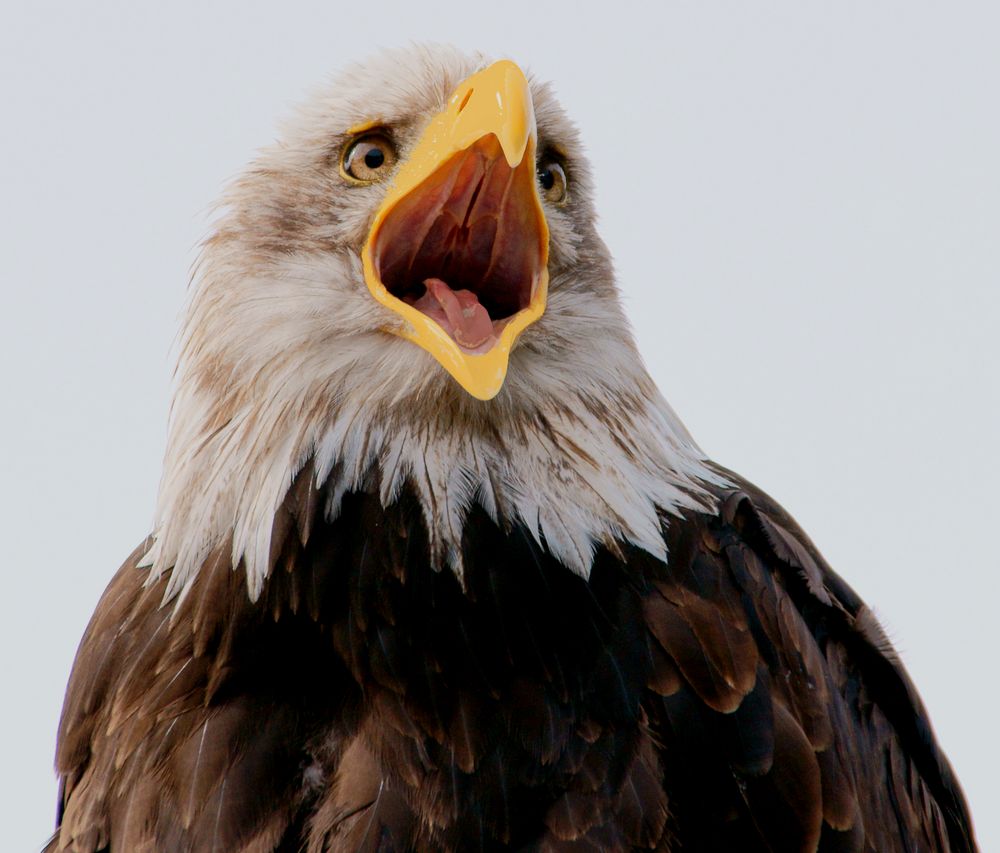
(739, 697)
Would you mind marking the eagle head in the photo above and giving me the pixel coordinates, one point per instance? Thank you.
(408, 288)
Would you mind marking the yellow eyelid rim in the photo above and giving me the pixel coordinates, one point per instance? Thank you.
(557, 154)
(353, 135)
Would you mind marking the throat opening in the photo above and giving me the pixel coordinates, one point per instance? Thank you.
(465, 247)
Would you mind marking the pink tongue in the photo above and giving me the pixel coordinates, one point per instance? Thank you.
(470, 323)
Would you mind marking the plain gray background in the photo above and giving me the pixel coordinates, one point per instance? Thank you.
(803, 200)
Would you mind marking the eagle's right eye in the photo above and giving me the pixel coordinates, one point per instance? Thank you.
(368, 158)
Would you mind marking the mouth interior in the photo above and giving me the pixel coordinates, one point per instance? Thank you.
(465, 246)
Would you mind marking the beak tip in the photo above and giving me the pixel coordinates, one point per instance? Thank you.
(498, 96)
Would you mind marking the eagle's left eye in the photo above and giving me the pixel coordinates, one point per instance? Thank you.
(552, 179)
(368, 158)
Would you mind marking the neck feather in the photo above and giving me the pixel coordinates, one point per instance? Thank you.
(581, 468)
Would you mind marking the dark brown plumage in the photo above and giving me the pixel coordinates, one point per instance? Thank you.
(738, 700)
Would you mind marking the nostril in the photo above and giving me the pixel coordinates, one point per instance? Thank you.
(465, 100)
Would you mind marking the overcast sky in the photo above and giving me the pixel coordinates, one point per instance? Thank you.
(803, 201)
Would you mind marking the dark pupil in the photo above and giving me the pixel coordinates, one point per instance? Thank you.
(547, 178)
(374, 158)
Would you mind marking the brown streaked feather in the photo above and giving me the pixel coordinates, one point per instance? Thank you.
(841, 752)
(732, 699)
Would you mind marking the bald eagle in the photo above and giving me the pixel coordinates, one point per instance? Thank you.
(435, 566)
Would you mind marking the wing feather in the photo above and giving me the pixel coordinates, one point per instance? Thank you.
(785, 717)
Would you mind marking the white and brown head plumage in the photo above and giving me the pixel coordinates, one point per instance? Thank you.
(403, 595)
(286, 359)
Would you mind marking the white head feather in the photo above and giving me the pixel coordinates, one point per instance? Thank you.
(285, 361)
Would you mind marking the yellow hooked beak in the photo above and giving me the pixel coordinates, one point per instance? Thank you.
(459, 247)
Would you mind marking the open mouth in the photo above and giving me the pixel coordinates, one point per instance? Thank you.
(466, 247)
(459, 247)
